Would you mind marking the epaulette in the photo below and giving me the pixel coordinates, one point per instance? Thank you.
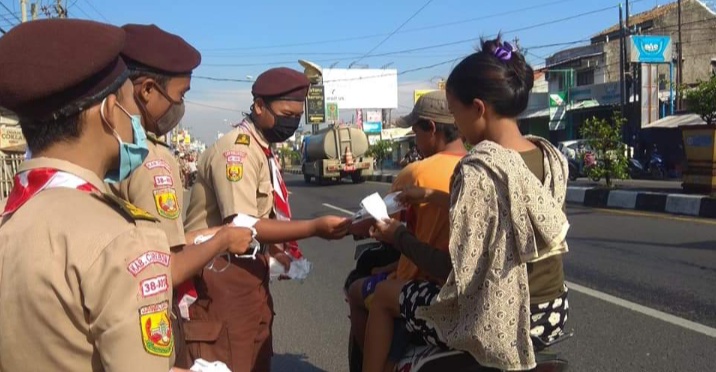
(157, 141)
(128, 208)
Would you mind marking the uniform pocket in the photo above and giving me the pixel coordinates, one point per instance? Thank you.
(208, 339)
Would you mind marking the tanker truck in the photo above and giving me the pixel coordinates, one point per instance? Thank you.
(334, 153)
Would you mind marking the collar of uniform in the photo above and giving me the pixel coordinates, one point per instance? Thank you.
(256, 132)
(154, 139)
(64, 166)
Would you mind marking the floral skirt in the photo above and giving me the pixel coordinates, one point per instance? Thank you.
(547, 319)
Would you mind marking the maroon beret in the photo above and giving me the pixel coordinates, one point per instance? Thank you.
(281, 83)
(149, 48)
(58, 67)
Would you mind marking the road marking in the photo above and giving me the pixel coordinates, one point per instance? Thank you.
(655, 215)
(675, 320)
(346, 211)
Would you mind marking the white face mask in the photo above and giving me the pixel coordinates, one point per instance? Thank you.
(28, 154)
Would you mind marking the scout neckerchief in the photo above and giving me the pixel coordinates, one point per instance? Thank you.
(29, 183)
(281, 206)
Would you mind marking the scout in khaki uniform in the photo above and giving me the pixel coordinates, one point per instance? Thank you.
(160, 66)
(84, 276)
(231, 321)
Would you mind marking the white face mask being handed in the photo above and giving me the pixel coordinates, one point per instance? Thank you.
(131, 155)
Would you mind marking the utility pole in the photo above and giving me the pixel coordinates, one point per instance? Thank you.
(23, 10)
(33, 11)
(679, 64)
(61, 11)
(622, 85)
(626, 46)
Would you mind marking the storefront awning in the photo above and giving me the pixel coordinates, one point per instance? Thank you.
(676, 121)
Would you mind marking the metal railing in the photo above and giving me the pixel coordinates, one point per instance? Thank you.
(8, 167)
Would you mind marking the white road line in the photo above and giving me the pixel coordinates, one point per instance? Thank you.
(346, 211)
(675, 320)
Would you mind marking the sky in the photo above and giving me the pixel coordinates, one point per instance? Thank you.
(420, 38)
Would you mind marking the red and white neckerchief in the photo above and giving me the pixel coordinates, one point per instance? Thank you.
(281, 206)
(29, 183)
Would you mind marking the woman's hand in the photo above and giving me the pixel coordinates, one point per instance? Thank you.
(384, 231)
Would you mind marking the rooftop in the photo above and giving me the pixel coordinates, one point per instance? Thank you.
(657, 12)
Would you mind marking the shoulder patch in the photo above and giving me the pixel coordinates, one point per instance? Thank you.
(129, 208)
(163, 180)
(157, 164)
(148, 258)
(167, 203)
(234, 172)
(156, 328)
(243, 139)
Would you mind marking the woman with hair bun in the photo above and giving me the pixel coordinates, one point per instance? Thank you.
(504, 296)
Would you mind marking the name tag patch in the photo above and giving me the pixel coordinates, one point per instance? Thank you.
(152, 257)
(157, 164)
(156, 325)
(163, 181)
(154, 286)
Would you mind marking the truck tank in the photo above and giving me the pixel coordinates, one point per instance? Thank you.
(331, 143)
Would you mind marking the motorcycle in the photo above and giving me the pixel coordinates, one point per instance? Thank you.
(425, 358)
(654, 168)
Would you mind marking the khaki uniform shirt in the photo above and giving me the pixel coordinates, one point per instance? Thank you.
(233, 177)
(84, 283)
(156, 187)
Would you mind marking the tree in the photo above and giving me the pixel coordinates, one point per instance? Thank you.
(604, 137)
(702, 100)
(380, 151)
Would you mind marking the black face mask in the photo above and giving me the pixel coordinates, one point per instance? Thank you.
(283, 129)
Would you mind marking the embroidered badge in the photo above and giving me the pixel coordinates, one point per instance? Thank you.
(152, 257)
(163, 181)
(157, 164)
(234, 172)
(241, 154)
(129, 208)
(234, 159)
(154, 286)
(243, 139)
(156, 325)
(167, 203)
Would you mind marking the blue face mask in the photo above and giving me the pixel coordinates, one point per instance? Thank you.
(131, 155)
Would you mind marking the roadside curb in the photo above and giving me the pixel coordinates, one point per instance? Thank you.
(678, 204)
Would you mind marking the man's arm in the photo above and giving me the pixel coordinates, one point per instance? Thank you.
(192, 258)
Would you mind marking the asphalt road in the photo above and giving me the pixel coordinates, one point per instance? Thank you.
(660, 270)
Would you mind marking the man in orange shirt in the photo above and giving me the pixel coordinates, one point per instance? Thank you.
(439, 141)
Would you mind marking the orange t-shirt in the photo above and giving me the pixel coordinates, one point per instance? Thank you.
(429, 223)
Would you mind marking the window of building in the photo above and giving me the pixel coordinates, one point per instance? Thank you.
(662, 82)
(585, 77)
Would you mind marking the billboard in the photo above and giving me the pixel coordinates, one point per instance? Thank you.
(315, 105)
(373, 122)
(606, 94)
(650, 49)
(361, 88)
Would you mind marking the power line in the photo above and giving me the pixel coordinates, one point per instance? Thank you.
(213, 107)
(97, 11)
(10, 11)
(394, 31)
(422, 28)
(470, 40)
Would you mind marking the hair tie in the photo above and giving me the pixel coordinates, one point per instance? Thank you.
(504, 52)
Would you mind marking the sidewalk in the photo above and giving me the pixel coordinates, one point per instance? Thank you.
(639, 195)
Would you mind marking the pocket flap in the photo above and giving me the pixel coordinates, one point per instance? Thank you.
(202, 330)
